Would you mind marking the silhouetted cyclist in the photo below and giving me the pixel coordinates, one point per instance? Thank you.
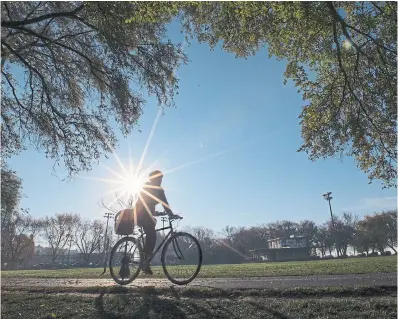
(144, 212)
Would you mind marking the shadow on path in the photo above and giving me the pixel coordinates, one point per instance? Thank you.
(146, 302)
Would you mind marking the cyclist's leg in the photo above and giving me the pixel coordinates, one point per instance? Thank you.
(150, 240)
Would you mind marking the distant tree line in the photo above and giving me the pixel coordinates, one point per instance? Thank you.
(373, 233)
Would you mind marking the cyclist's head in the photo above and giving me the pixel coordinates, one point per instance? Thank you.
(156, 177)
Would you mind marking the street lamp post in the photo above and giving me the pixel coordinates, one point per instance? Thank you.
(106, 239)
(70, 244)
(328, 197)
(107, 216)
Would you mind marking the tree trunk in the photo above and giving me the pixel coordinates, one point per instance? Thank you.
(86, 258)
(345, 250)
(54, 257)
(392, 247)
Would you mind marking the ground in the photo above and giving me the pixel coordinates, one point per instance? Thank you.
(148, 302)
(349, 288)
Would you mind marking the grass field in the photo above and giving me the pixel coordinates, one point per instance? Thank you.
(302, 268)
(198, 302)
(121, 302)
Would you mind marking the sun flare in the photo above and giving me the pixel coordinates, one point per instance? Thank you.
(132, 184)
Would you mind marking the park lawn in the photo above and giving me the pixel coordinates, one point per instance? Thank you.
(147, 302)
(385, 264)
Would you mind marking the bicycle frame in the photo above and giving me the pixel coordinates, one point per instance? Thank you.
(170, 233)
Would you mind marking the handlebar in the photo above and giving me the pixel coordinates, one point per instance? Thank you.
(170, 215)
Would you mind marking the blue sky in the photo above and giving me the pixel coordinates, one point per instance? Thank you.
(238, 115)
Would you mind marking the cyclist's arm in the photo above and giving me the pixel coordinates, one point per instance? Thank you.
(164, 202)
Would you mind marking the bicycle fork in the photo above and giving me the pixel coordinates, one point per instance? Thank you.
(177, 250)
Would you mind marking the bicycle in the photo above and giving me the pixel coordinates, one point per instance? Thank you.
(181, 252)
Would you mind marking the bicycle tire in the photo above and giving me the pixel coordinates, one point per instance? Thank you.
(164, 251)
(113, 252)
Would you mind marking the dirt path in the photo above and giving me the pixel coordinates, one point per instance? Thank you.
(375, 279)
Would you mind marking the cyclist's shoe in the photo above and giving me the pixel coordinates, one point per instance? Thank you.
(147, 270)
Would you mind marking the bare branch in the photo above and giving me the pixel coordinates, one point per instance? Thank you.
(378, 8)
(44, 38)
(345, 73)
(11, 24)
(102, 205)
(34, 9)
(345, 25)
(43, 83)
(7, 10)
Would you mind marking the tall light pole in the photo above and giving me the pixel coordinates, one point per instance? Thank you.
(107, 216)
(70, 244)
(106, 240)
(328, 197)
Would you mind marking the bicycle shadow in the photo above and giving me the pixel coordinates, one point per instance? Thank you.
(149, 302)
(146, 303)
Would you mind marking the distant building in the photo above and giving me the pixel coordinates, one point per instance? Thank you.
(40, 250)
(284, 249)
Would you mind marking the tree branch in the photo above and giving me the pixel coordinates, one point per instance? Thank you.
(378, 8)
(34, 9)
(106, 207)
(44, 84)
(92, 64)
(10, 24)
(349, 84)
(344, 24)
(344, 71)
(7, 10)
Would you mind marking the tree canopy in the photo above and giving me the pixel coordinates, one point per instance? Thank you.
(341, 57)
(71, 70)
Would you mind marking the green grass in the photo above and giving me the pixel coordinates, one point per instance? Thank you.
(301, 268)
(121, 302)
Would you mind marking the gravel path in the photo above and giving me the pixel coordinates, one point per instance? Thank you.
(374, 279)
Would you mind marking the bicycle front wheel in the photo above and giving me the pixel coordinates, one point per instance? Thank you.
(181, 258)
(125, 261)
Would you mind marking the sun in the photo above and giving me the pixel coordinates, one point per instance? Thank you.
(132, 183)
(127, 183)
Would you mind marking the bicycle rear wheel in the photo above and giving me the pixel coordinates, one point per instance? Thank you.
(125, 261)
(181, 258)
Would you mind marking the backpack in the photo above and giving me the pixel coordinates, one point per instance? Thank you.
(125, 222)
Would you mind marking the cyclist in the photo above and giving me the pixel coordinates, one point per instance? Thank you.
(144, 212)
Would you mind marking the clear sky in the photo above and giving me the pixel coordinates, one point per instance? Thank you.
(238, 125)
